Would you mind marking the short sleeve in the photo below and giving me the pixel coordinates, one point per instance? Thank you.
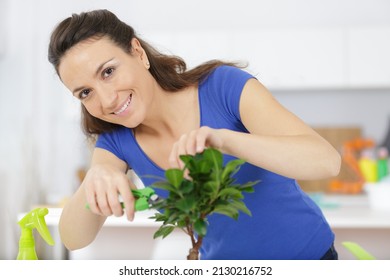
(110, 141)
(225, 86)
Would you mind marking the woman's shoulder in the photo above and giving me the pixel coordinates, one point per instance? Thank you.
(226, 69)
(117, 141)
(114, 137)
(119, 131)
(227, 75)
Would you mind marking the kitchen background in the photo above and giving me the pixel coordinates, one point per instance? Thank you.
(327, 61)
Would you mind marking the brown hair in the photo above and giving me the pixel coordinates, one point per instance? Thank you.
(169, 71)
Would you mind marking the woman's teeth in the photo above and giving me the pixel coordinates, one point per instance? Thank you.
(124, 107)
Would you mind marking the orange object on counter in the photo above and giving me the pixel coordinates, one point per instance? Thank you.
(344, 187)
(350, 148)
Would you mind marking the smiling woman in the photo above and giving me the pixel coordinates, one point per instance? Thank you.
(147, 110)
(169, 72)
(107, 80)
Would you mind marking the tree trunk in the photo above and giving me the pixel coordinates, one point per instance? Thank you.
(194, 251)
(193, 255)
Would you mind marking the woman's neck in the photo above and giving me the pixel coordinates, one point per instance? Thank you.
(174, 114)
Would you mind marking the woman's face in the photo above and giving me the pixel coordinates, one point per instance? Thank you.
(111, 83)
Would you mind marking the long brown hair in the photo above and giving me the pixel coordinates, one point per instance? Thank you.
(169, 71)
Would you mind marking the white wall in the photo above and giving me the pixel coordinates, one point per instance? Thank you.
(365, 108)
(41, 144)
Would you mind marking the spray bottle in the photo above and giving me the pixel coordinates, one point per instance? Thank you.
(34, 219)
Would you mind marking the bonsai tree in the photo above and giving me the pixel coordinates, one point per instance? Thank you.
(203, 187)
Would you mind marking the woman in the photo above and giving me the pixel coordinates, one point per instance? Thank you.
(146, 109)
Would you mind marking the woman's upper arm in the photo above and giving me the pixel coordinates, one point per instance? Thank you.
(262, 114)
(102, 156)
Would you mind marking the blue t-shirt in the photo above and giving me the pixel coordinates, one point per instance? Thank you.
(285, 222)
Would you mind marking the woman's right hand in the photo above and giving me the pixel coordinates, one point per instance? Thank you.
(104, 184)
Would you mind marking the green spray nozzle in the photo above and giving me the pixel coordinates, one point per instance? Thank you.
(34, 219)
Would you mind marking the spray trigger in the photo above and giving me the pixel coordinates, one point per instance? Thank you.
(34, 219)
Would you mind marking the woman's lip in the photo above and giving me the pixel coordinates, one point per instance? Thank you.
(124, 106)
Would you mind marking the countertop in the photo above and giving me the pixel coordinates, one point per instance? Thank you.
(350, 216)
(353, 211)
(341, 211)
(141, 219)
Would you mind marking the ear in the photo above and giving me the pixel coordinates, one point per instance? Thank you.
(138, 51)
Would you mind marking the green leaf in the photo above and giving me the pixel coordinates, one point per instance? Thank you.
(200, 227)
(164, 186)
(174, 176)
(205, 167)
(227, 211)
(215, 157)
(239, 205)
(181, 223)
(231, 168)
(230, 192)
(187, 186)
(211, 186)
(163, 231)
(172, 218)
(248, 187)
(159, 217)
(188, 161)
(186, 204)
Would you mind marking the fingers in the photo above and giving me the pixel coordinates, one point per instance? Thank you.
(96, 197)
(113, 204)
(191, 143)
(201, 139)
(185, 145)
(128, 199)
(103, 194)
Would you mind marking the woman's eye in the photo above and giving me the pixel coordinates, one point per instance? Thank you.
(107, 72)
(84, 93)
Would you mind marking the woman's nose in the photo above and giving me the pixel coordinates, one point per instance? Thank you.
(108, 98)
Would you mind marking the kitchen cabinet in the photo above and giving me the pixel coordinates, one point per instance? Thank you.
(289, 58)
(294, 58)
(2, 28)
(318, 58)
(368, 56)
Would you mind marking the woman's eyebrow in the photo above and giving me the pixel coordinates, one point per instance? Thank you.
(77, 90)
(101, 66)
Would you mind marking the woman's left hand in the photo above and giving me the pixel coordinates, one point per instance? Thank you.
(195, 142)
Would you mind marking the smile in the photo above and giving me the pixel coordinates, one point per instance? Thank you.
(124, 107)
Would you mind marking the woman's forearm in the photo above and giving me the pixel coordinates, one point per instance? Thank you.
(304, 157)
(78, 226)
